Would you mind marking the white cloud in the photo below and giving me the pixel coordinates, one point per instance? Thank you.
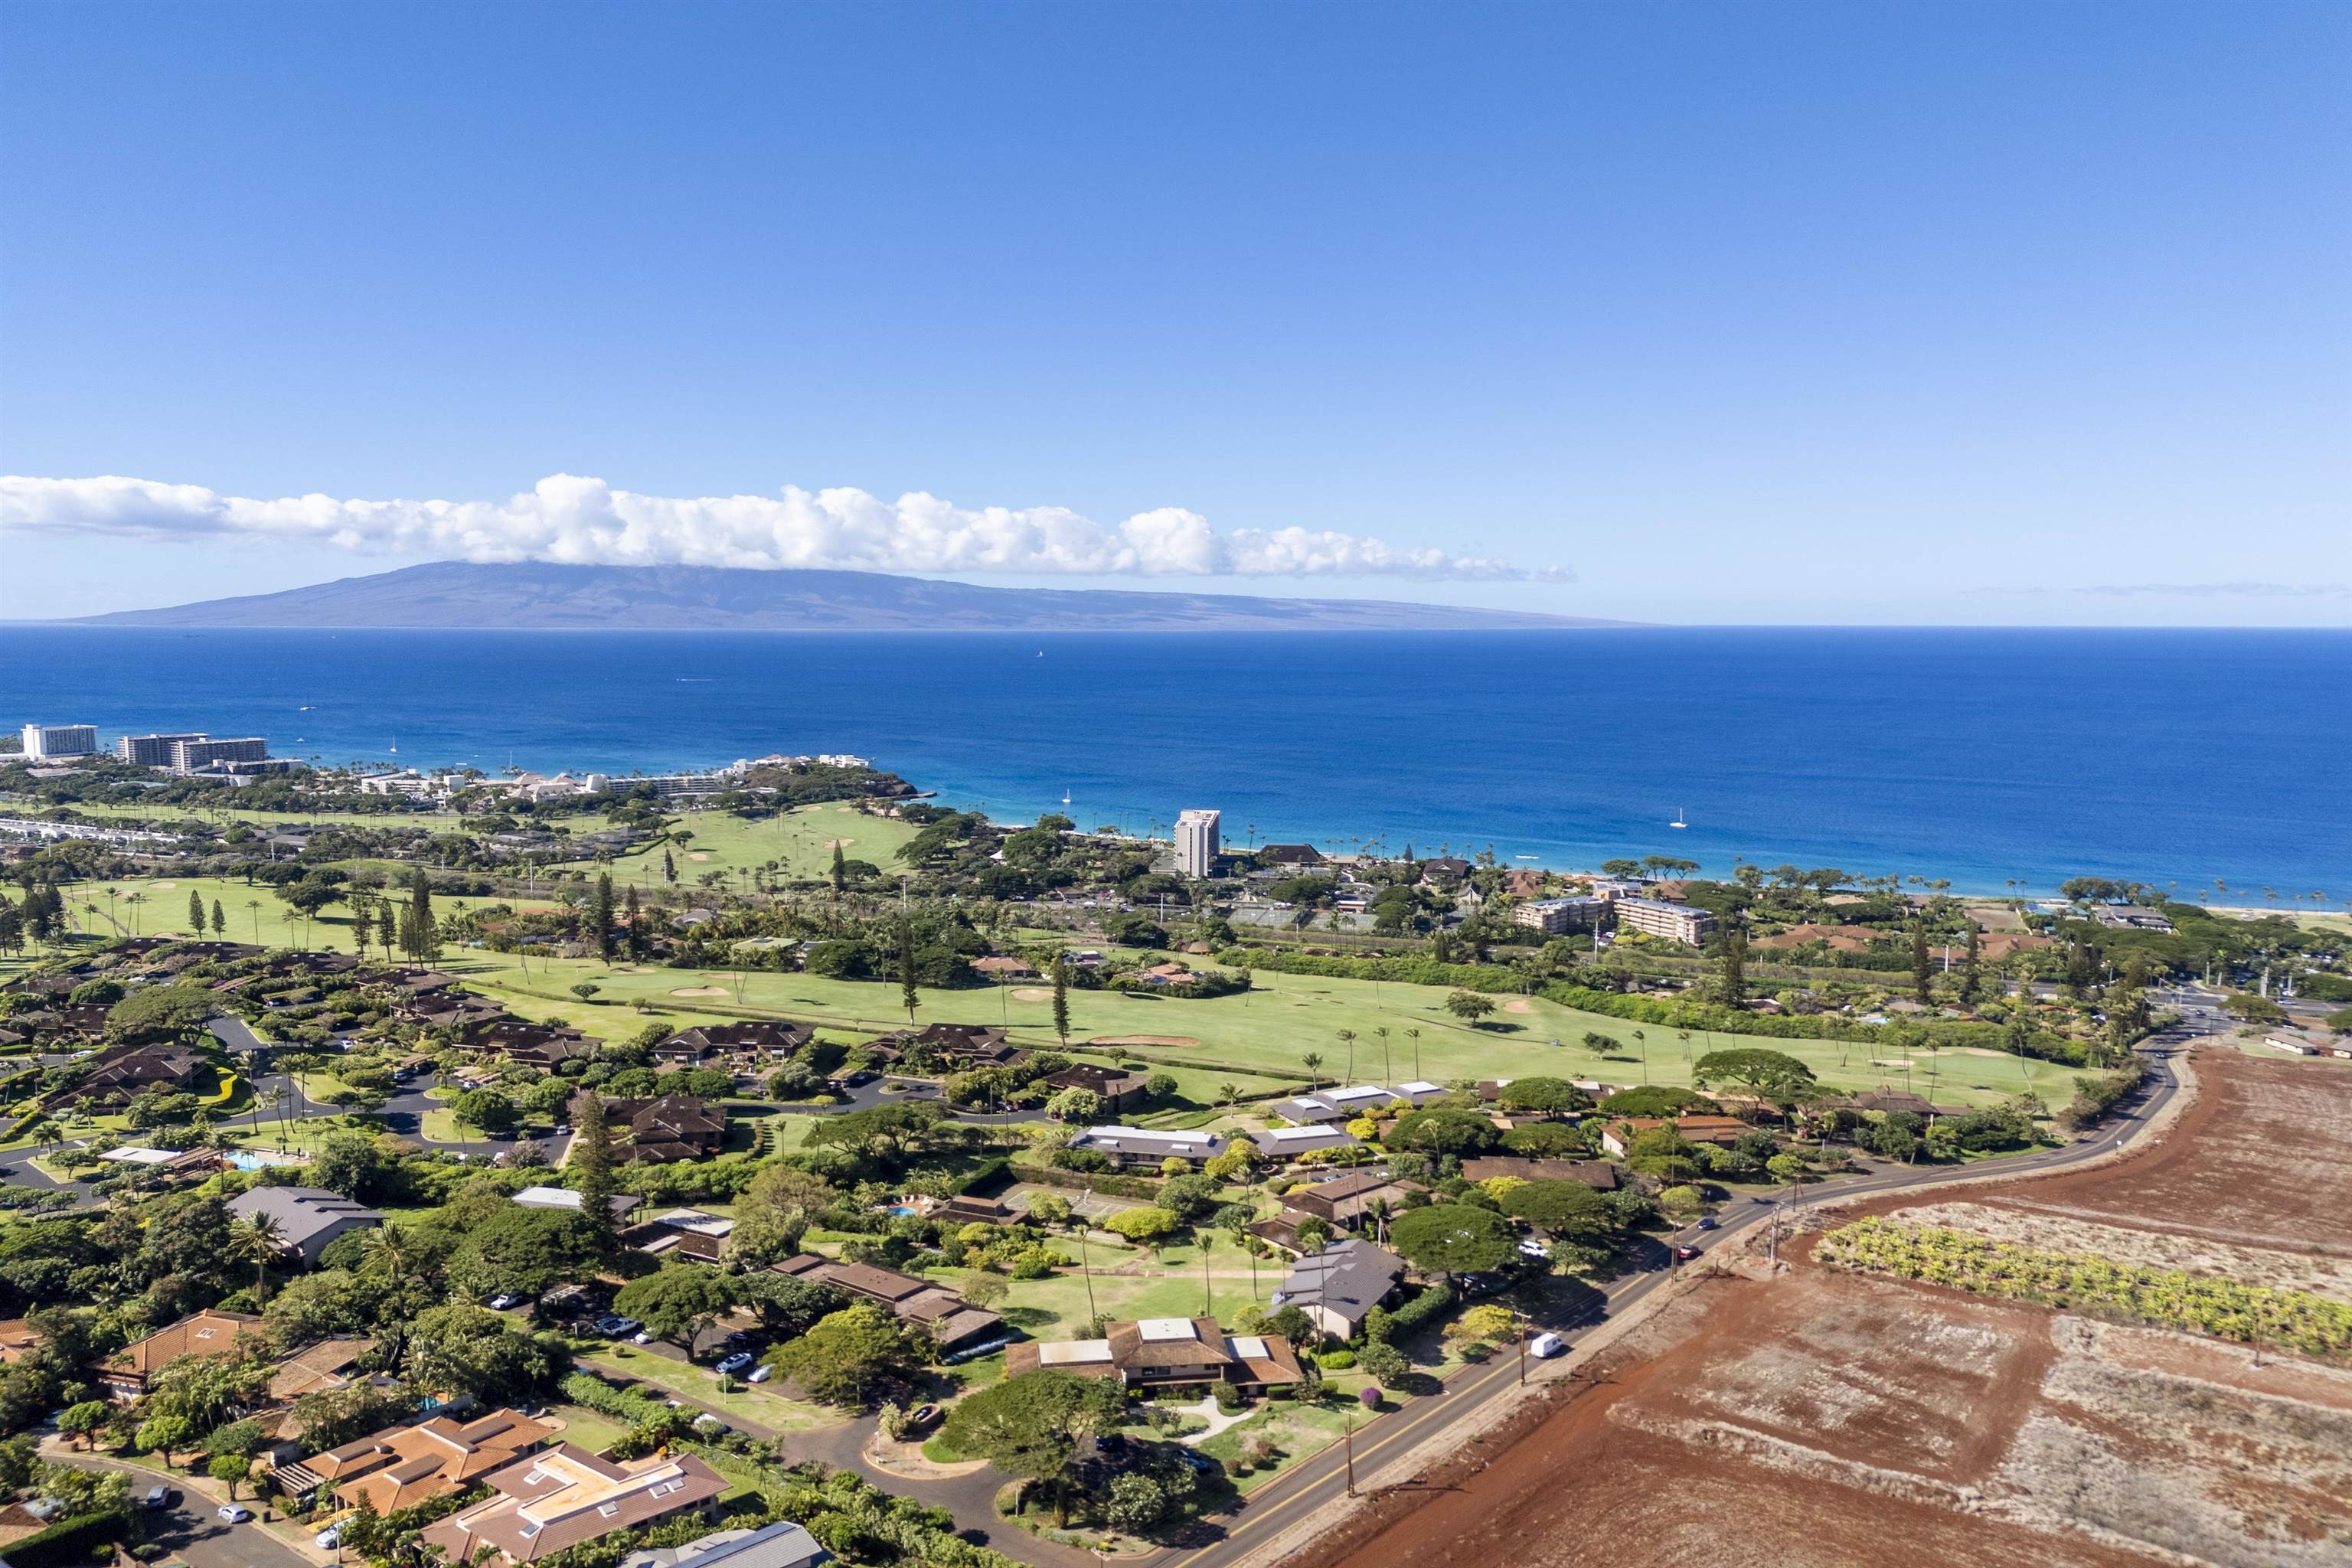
(584, 520)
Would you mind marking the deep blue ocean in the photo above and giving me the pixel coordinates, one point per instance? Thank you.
(1981, 755)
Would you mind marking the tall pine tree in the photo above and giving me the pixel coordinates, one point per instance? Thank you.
(601, 911)
(636, 935)
(669, 867)
(220, 920)
(1968, 974)
(592, 1169)
(1734, 983)
(424, 935)
(1923, 966)
(195, 913)
(840, 872)
(1062, 999)
(906, 992)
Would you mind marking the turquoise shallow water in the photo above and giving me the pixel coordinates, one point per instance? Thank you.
(1980, 755)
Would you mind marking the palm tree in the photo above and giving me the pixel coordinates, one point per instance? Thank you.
(1347, 1038)
(134, 901)
(1414, 1036)
(255, 905)
(1313, 1062)
(254, 1239)
(1388, 1065)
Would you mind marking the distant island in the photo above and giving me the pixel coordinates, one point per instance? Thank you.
(447, 595)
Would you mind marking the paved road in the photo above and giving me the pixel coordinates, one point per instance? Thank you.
(1228, 1539)
(201, 1537)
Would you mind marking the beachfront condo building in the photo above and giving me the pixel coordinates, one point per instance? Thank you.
(1196, 842)
(151, 751)
(46, 740)
(1675, 922)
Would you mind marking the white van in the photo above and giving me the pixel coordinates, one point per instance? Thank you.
(1546, 1345)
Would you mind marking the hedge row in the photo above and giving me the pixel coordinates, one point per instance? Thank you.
(1413, 1317)
(1403, 971)
(587, 1389)
(1116, 1185)
(70, 1541)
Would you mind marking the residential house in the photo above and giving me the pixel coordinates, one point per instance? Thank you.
(530, 1044)
(1002, 967)
(1119, 1091)
(665, 1127)
(1307, 1111)
(750, 1041)
(401, 1466)
(1150, 1145)
(116, 1076)
(1292, 857)
(623, 1203)
(782, 1544)
(1886, 1101)
(565, 1495)
(942, 1312)
(1343, 1203)
(953, 1047)
(125, 1375)
(1165, 1352)
(306, 1218)
(1619, 1134)
(1290, 1142)
(1361, 1100)
(688, 1235)
(1445, 872)
(18, 1338)
(1338, 1286)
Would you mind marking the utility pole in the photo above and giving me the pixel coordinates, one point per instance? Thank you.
(1523, 1352)
(1348, 1437)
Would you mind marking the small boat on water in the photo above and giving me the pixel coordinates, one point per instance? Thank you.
(1679, 821)
(1065, 797)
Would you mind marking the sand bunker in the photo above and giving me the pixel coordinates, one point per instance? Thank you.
(1143, 1040)
(1519, 1005)
(162, 887)
(1033, 993)
(697, 854)
(840, 843)
(699, 991)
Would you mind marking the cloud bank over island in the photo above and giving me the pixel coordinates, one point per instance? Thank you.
(570, 518)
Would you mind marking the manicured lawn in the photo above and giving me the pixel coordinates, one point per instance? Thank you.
(1256, 1041)
(589, 1429)
(1299, 1429)
(799, 841)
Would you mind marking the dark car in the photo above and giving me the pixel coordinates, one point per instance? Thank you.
(1707, 1223)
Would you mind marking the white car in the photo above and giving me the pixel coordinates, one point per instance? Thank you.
(641, 1338)
(500, 1303)
(236, 1513)
(1530, 1248)
(329, 1539)
(1546, 1345)
(760, 1374)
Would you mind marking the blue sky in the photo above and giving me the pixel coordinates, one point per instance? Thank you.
(1755, 312)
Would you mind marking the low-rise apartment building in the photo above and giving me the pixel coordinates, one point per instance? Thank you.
(1675, 922)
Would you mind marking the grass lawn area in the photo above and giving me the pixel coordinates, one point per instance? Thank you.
(751, 1402)
(799, 841)
(1256, 1041)
(251, 912)
(1057, 1307)
(156, 811)
(586, 1428)
(1299, 1429)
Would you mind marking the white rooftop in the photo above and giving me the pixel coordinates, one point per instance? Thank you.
(696, 1221)
(1159, 1331)
(1249, 1345)
(1065, 1352)
(1294, 1135)
(141, 1156)
(1362, 1091)
(1422, 1086)
(548, 1198)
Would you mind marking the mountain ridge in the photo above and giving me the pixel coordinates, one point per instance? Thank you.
(455, 595)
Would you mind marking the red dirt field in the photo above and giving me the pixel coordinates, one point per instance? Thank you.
(2263, 1158)
(1831, 1420)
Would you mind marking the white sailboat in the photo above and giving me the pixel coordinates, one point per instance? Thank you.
(1065, 797)
(1679, 821)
